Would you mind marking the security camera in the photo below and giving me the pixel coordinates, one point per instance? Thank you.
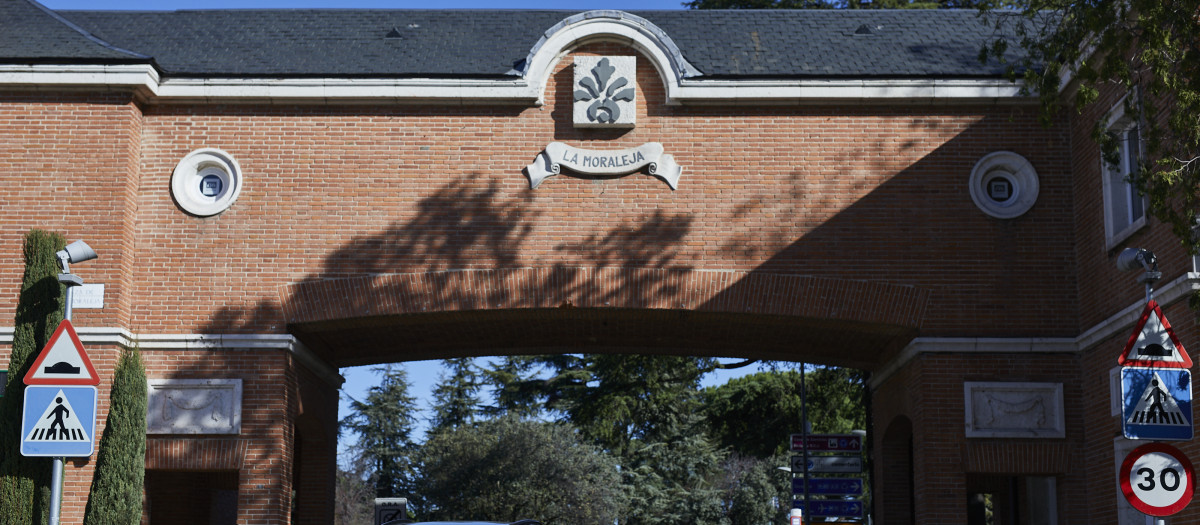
(1132, 259)
(75, 252)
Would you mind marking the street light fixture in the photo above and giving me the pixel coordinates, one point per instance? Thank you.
(75, 252)
(1132, 259)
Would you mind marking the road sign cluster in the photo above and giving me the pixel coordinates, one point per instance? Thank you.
(1156, 403)
(831, 455)
(58, 418)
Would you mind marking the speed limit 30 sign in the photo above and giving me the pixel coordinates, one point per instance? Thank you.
(1157, 479)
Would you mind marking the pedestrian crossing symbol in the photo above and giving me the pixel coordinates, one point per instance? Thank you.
(1157, 403)
(58, 421)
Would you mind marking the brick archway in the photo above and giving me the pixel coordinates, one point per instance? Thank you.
(431, 315)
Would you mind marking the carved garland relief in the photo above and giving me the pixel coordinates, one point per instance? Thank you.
(194, 406)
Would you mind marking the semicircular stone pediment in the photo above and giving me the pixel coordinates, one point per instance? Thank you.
(607, 25)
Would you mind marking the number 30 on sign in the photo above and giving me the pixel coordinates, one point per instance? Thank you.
(1157, 479)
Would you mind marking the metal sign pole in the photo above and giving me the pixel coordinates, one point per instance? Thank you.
(56, 471)
(804, 430)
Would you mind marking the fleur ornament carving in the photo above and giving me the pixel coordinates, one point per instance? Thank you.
(603, 91)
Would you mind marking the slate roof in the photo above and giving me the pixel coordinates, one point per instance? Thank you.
(32, 33)
(491, 43)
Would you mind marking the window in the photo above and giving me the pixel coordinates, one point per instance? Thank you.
(1124, 208)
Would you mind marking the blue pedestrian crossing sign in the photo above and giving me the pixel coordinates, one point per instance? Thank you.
(58, 421)
(1156, 403)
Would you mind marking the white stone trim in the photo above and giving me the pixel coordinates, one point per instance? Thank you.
(608, 26)
(232, 342)
(145, 81)
(1122, 321)
(849, 90)
(56, 77)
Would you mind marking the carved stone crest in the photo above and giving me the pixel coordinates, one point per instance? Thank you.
(604, 92)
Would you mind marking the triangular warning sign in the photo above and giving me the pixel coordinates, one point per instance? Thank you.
(59, 424)
(1153, 343)
(63, 361)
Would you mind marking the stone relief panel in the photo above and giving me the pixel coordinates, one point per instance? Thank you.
(194, 406)
(1014, 410)
(604, 93)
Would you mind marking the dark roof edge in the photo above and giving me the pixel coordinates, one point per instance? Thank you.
(86, 34)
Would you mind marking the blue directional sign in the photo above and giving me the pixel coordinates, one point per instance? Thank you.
(1156, 403)
(831, 509)
(58, 421)
(829, 486)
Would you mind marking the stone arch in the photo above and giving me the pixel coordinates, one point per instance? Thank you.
(608, 26)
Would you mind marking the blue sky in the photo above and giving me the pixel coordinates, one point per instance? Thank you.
(581, 5)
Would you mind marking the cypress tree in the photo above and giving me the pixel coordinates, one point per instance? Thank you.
(25, 482)
(116, 495)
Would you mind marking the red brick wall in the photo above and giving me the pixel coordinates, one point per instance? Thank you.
(929, 392)
(843, 192)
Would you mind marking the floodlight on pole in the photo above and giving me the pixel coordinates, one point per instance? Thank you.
(75, 252)
(1132, 259)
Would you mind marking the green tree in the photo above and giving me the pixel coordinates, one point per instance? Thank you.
(673, 471)
(836, 399)
(612, 399)
(116, 495)
(456, 397)
(25, 482)
(384, 425)
(755, 490)
(511, 468)
(754, 415)
(1149, 49)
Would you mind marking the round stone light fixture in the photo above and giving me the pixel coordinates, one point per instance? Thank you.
(206, 182)
(1004, 185)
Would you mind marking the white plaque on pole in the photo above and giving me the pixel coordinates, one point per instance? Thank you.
(88, 296)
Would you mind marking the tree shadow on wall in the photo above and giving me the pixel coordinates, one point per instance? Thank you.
(473, 228)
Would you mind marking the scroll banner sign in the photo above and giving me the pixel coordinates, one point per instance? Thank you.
(592, 162)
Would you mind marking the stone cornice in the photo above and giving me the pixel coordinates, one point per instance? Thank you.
(231, 342)
(1119, 322)
(146, 82)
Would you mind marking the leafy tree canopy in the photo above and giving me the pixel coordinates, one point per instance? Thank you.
(612, 399)
(511, 468)
(754, 415)
(1148, 49)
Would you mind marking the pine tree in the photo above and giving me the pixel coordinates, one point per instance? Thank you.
(673, 471)
(384, 424)
(116, 495)
(25, 482)
(456, 398)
